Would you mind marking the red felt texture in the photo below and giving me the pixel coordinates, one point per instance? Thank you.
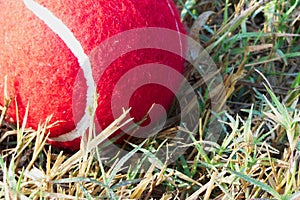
(42, 71)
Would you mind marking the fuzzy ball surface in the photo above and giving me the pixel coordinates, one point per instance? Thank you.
(41, 70)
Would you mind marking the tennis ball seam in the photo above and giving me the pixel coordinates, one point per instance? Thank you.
(58, 27)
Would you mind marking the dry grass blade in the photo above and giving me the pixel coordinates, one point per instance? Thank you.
(65, 166)
(199, 23)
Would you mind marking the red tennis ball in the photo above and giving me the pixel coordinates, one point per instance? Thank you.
(43, 72)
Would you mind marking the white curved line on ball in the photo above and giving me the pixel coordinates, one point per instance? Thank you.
(177, 27)
(58, 27)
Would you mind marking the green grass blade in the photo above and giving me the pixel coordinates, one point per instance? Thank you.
(257, 183)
